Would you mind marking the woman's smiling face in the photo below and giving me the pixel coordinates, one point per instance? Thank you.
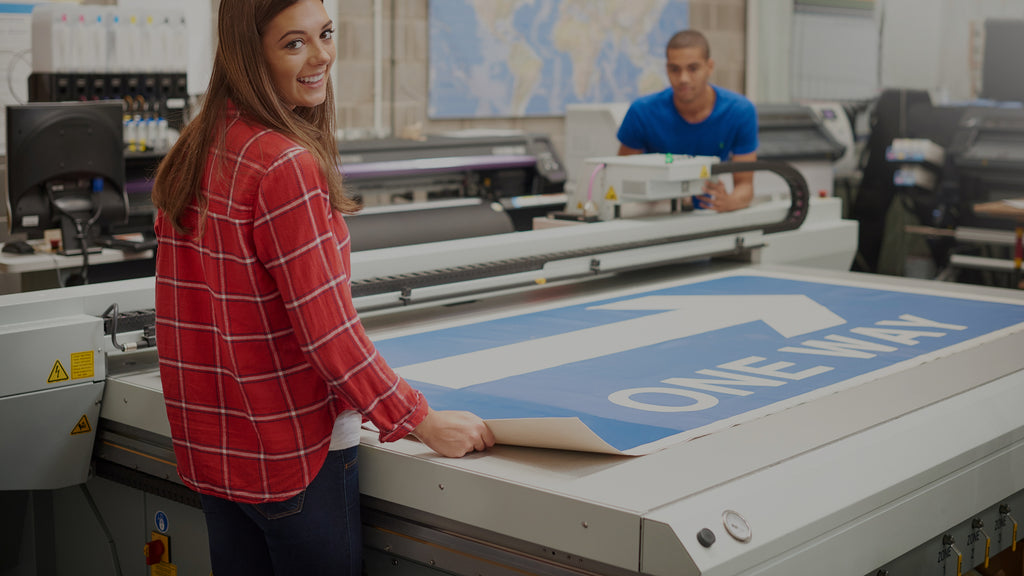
(298, 45)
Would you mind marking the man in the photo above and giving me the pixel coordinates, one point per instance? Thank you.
(696, 118)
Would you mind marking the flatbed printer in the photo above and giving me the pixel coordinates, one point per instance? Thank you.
(885, 469)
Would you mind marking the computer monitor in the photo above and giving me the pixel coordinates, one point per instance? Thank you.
(65, 168)
(1000, 69)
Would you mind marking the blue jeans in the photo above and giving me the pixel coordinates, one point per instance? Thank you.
(316, 532)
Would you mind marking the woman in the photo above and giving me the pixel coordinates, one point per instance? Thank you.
(266, 370)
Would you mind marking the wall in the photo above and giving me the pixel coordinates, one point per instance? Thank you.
(938, 45)
(834, 56)
(405, 108)
(911, 36)
(769, 41)
(960, 48)
(934, 45)
(404, 105)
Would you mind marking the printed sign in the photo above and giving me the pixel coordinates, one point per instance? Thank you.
(648, 366)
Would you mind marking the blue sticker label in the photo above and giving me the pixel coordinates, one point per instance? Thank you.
(161, 522)
(641, 368)
(11, 8)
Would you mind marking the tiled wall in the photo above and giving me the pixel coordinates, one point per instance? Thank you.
(723, 21)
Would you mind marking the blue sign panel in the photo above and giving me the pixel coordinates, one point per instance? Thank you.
(643, 367)
(160, 519)
(11, 8)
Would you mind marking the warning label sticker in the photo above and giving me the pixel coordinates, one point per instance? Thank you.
(82, 427)
(164, 569)
(82, 365)
(57, 373)
(704, 172)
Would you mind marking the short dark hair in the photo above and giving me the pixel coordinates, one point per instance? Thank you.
(689, 39)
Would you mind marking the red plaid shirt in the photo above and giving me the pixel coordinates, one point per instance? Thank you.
(260, 345)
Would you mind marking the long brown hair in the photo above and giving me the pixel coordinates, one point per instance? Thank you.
(240, 75)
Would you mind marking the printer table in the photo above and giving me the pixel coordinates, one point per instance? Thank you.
(44, 270)
(992, 242)
(1008, 210)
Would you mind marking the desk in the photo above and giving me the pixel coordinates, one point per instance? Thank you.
(39, 271)
(1008, 210)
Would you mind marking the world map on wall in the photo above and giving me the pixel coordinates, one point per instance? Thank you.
(512, 58)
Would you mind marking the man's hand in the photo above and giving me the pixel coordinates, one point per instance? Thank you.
(454, 433)
(742, 188)
(717, 198)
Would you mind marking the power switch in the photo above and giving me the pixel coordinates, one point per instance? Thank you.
(157, 549)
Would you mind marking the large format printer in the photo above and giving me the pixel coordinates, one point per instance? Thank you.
(433, 164)
(911, 464)
(520, 170)
(987, 149)
(980, 159)
(445, 186)
(794, 133)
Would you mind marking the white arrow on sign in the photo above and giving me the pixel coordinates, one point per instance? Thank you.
(790, 315)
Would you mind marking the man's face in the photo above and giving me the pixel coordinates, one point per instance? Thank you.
(688, 72)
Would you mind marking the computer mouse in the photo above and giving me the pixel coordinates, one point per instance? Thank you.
(19, 247)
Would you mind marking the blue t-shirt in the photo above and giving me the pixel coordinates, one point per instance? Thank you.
(653, 124)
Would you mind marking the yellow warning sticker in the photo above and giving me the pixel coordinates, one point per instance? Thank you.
(611, 195)
(703, 171)
(57, 373)
(579, 205)
(82, 427)
(163, 569)
(82, 365)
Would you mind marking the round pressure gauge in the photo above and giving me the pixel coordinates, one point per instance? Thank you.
(736, 525)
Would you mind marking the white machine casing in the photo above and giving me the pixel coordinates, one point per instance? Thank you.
(843, 482)
(643, 178)
(591, 133)
(54, 371)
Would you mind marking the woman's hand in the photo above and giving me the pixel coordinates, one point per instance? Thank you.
(454, 433)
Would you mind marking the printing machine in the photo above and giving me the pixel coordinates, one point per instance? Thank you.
(376, 158)
(987, 149)
(790, 133)
(520, 170)
(793, 133)
(913, 468)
